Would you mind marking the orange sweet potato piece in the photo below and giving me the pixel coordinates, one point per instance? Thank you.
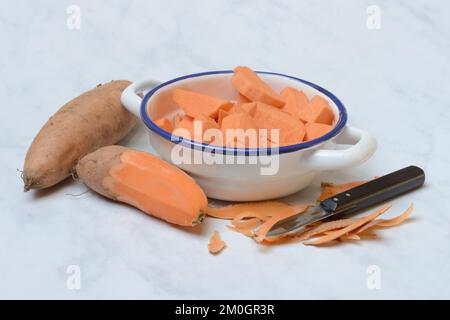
(195, 104)
(208, 123)
(216, 244)
(145, 182)
(316, 130)
(295, 101)
(248, 107)
(239, 138)
(185, 128)
(238, 120)
(241, 99)
(222, 114)
(238, 109)
(164, 124)
(250, 85)
(291, 130)
(317, 110)
(176, 120)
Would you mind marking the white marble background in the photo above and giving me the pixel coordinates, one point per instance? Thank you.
(394, 82)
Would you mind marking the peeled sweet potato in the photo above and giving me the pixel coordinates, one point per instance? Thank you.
(295, 101)
(165, 124)
(195, 104)
(291, 130)
(145, 182)
(93, 120)
(317, 110)
(316, 130)
(251, 86)
(257, 110)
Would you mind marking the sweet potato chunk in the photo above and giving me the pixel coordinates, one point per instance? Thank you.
(250, 85)
(185, 128)
(316, 130)
(195, 104)
(291, 130)
(164, 124)
(241, 99)
(295, 101)
(317, 110)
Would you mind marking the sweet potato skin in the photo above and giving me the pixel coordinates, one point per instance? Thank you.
(94, 168)
(92, 120)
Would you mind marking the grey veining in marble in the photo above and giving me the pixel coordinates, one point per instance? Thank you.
(393, 80)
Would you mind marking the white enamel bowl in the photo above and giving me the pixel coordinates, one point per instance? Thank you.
(298, 164)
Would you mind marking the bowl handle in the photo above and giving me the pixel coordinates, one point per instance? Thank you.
(131, 100)
(362, 147)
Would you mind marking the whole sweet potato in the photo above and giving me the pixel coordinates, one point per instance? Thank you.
(93, 120)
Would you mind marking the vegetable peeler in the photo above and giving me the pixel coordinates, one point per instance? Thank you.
(354, 200)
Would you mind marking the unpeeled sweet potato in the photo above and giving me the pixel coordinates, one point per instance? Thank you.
(145, 182)
(93, 120)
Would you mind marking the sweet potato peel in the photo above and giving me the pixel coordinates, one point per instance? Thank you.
(364, 228)
(254, 220)
(342, 232)
(261, 232)
(231, 211)
(216, 244)
(387, 223)
(245, 231)
(349, 237)
(325, 227)
(248, 223)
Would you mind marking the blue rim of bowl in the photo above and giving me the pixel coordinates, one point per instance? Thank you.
(243, 151)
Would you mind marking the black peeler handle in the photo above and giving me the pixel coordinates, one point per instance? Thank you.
(375, 191)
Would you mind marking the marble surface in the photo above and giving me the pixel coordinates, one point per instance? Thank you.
(393, 80)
